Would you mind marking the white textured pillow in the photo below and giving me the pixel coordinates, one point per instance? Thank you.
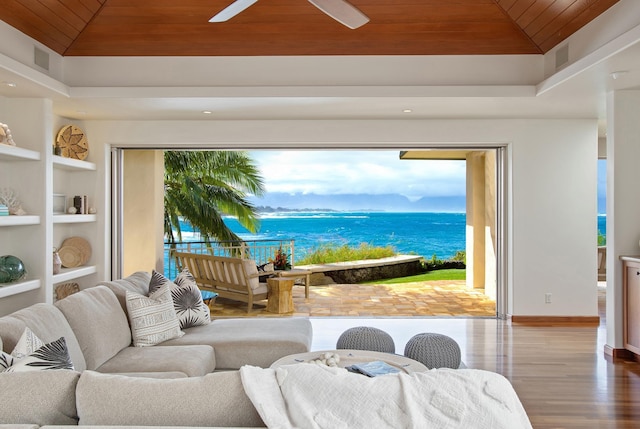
(187, 299)
(27, 344)
(153, 319)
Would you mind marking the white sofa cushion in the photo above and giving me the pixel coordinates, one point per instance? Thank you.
(42, 398)
(48, 323)
(216, 399)
(98, 322)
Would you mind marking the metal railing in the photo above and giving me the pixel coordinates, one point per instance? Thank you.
(260, 251)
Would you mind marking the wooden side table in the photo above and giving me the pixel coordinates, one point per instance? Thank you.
(280, 299)
(296, 273)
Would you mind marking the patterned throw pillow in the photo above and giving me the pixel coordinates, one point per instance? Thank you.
(187, 299)
(31, 354)
(153, 319)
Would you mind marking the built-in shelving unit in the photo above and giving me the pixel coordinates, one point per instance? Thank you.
(68, 274)
(15, 153)
(32, 170)
(19, 220)
(71, 164)
(16, 288)
(74, 218)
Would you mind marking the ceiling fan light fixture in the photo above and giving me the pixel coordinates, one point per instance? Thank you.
(342, 11)
(232, 10)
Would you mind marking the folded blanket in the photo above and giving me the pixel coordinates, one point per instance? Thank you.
(313, 396)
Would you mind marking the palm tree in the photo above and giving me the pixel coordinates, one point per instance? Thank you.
(202, 186)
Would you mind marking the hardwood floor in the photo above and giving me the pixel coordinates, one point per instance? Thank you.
(560, 373)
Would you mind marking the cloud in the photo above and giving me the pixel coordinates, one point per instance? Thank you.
(338, 172)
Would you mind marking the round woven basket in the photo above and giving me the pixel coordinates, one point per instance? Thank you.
(82, 245)
(70, 256)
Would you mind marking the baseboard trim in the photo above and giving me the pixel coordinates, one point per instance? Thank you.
(620, 353)
(556, 320)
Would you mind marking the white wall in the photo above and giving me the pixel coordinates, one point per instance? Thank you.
(553, 166)
(623, 205)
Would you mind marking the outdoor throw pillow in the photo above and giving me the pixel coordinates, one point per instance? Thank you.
(153, 319)
(187, 299)
(28, 356)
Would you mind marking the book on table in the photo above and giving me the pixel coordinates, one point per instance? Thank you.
(373, 369)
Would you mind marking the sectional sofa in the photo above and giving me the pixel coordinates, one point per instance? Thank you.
(113, 382)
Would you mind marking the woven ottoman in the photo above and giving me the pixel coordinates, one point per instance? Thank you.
(434, 350)
(366, 338)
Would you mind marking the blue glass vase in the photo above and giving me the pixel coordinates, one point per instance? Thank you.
(11, 269)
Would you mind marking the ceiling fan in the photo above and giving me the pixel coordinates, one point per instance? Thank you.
(340, 10)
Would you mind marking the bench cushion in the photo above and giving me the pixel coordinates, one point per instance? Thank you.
(258, 342)
(48, 323)
(193, 360)
(100, 324)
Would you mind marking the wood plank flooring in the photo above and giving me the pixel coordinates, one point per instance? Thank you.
(560, 372)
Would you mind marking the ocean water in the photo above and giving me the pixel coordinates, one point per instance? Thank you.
(422, 234)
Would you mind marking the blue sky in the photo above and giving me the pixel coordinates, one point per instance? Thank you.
(338, 172)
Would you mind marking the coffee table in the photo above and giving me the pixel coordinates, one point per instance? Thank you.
(297, 273)
(350, 357)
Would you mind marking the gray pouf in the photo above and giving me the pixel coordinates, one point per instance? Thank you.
(366, 338)
(434, 350)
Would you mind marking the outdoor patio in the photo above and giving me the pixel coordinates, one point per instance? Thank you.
(421, 299)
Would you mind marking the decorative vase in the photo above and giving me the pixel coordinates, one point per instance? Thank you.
(11, 269)
(57, 262)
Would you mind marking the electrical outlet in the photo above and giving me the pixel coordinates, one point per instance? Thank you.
(547, 298)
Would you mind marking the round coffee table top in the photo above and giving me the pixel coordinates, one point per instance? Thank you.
(350, 357)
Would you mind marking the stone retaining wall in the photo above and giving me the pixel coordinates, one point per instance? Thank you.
(361, 271)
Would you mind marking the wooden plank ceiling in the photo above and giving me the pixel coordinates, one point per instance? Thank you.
(295, 27)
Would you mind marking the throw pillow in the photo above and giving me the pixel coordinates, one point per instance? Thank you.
(186, 296)
(153, 319)
(53, 355)
(187, 300)
(251, 269)
(27, 344)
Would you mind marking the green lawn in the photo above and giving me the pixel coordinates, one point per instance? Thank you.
(430, 276)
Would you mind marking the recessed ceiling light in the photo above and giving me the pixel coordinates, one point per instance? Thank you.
(207, 112)
(407, 111)
(11, 84)
(616, 74)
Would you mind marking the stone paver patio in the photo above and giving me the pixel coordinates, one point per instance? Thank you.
(434, 298)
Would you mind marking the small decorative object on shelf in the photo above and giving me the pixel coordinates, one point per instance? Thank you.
(9, 198)
(81, 203)
(59, 204)
(5, 135)
(4, 210)
(11, 269)
(72, 142)
(280, 260)
(72, 210)
(57, 263)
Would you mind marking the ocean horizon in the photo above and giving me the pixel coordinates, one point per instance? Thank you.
(419, 233)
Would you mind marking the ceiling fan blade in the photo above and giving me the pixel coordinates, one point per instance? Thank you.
(342, 11)
(232, 10)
